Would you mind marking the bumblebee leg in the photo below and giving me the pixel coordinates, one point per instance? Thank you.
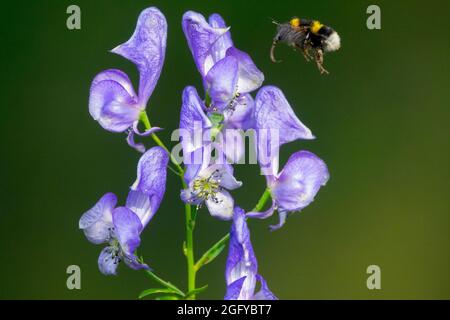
(303, 51)
(319, 62)
(306, 54)
(272, 52)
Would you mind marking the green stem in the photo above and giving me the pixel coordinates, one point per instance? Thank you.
(144, 119)
(164, 283)
(190, 220)
(262, 201)
(190, 224)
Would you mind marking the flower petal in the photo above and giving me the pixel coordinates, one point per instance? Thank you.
(231, 143)
(264, 293)
(264, 214)
(221, 206)
(97, 222)
(299, 181)
(221, 81)
(112, 106)
(139, 203)
(128, 228)
(282, 216)
(224, 173)
(194, 127)
(189, 197)
(146, 133)
(108, 261)
(268, 148)
(250, 77)
(133, 262)
(227, 180)
(219, 48)
(193, 120)
(200, 37)
(242, 116)
(234, 289)
(272, 111)
(118, 76)
(150, 183)
(196, 161)
(241, 260)
(146, 48)
(130, 137)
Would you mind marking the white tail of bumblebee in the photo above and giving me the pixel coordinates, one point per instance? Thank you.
(333, 42)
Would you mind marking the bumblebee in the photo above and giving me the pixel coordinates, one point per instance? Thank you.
(310, 37)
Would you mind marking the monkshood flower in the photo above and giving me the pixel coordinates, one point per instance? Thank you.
(199, 135)
(241, 272)
(208, 179)
(121, 227)
(228, 73)
(113, 101)
(296, 185)
(194, 128)
(210, 186)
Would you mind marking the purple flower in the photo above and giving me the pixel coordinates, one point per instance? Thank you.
(210, 186)
(113, 101)
(208, 179)
(231, 77)
(241, 272)
(197, 131)
(228, 73)
(276, 124)
(194, 130)
(296, 185)
(208, 41)
(121, 227)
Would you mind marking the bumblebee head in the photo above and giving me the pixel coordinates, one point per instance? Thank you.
(316, 26)
(295, 22)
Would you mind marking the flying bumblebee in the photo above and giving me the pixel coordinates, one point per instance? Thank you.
(310, 37)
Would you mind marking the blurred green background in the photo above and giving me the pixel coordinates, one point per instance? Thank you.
(381, 119)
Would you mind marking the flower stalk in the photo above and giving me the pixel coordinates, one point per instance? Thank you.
(147, 125)
(190, 219)
(229, 76)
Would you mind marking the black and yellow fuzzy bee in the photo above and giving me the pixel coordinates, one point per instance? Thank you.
(309, 37)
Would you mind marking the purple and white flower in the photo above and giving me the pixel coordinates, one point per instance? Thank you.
(241, 272)
(228, 74)
(120, 227)
(210, 186)
(297, 184)
(208, 179)
(113, 101)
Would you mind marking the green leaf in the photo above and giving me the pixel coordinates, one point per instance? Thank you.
(156, 291)
(195, 291)
(168, 297)
(211, 254)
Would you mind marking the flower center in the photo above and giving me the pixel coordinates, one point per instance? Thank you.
(115, 251)
(207, 188)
